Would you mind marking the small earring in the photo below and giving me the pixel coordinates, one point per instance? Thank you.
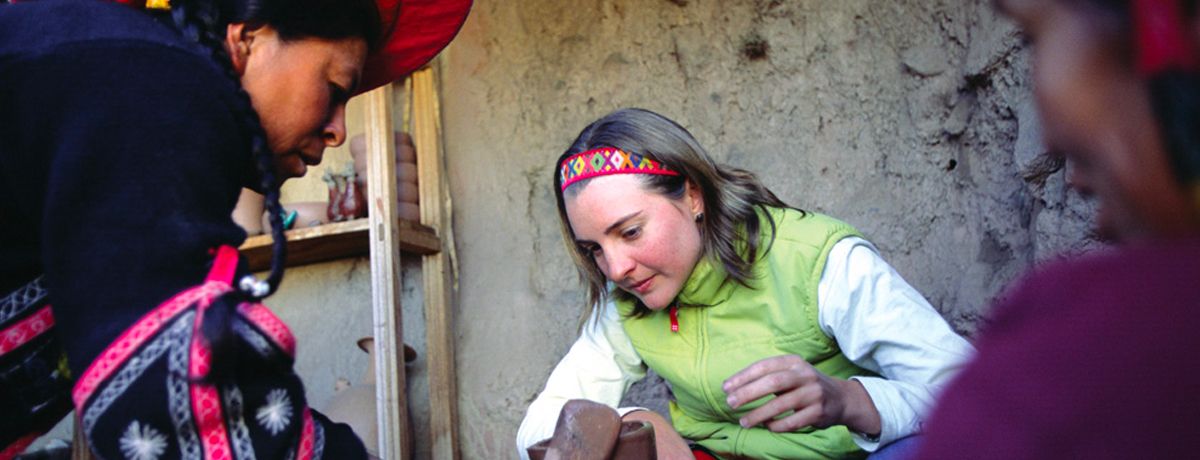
(699, 216)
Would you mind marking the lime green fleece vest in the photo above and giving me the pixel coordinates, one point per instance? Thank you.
(724, 327)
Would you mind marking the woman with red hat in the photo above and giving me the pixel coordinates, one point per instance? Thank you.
(1093, 357)
(129, 133)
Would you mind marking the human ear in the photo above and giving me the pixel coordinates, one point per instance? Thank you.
(237, 44)
(694, 197)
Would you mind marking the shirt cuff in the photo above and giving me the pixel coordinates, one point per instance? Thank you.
(888, 427)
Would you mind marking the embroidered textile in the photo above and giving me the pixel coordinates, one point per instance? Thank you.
(33, 375)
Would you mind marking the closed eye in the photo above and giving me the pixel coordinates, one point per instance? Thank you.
(631, 233)
(338, 95)
(590, 249)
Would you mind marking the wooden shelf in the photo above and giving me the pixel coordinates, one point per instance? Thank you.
(335, 241)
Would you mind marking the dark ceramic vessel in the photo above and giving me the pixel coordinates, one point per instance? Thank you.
(635, 442)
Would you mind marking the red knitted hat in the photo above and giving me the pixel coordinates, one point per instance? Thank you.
(414, 32)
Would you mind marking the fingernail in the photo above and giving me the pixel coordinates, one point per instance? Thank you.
(732, 401)
(743, 423)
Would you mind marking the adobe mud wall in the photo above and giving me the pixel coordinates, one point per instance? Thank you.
(911, 119)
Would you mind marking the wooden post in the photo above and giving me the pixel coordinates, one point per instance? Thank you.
(391, 397)
(436, 268)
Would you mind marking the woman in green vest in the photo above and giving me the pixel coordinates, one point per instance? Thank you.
(781, 332)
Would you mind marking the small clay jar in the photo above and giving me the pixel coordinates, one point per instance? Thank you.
(354, 201)
(335, 183)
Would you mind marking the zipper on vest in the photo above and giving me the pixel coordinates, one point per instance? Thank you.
(674, 313)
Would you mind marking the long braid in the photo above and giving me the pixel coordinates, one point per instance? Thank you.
(1175, 96)
(198, 21)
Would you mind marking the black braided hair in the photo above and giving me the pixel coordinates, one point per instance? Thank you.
(204, 22)
(1175, 96)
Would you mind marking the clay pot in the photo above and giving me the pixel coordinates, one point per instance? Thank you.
(406, 172)
(355, 405)
(407, 192)
(635, 442)
(248, 213)
(347, 198)
(405, 152)
(409, 211)
(308, 213)
(354, 199)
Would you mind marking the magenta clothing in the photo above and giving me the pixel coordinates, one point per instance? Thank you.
(1094, 357)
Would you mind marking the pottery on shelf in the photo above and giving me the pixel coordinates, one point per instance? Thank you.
(405, 152)
(408, 211)
(347, 199)
(406, 172)
(308, 213)
(406, 192)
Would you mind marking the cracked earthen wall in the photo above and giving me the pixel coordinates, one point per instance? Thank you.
(911, 119)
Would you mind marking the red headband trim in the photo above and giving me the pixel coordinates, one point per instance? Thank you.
(606, 161)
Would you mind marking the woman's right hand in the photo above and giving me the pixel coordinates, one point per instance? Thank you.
(668, 444)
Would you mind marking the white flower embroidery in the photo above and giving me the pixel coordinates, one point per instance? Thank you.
(276, 413)
(142, 442)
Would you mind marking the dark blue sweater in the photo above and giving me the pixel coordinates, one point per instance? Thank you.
(121, 160)
(120, 163)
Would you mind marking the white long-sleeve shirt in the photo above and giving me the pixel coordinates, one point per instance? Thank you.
(879, 321)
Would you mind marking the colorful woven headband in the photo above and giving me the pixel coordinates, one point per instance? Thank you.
(605, 161)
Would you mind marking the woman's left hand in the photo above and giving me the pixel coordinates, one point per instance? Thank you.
(817, 399)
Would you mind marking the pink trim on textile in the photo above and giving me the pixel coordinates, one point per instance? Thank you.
(18, 446)
(133, 338)
(225, 265)
(274, 328)
(206, 400)
(26, 330)
(307, 439)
